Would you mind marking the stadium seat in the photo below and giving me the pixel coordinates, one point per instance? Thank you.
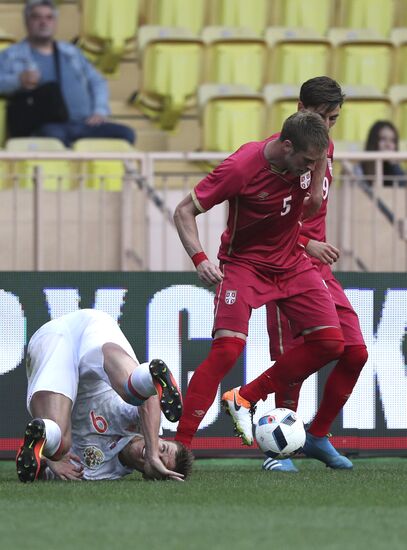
(361, 57)
(176, 13)
(230, 115)
(108, 31)
(398, 96)
(56, 173)
(5, 39)
(253, 15)
(234, 56)
(399, 38)
(102, 174)
(282, 101)
(377, 15)
(313, 14)
(171, 70)
(364, 105)
(295, 55)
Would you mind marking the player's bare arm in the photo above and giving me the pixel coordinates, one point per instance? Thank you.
(325, 252)
(313, 201)
(69, 468)
(154, 468)
(185, 221)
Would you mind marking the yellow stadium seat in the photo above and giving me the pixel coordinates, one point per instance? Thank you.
(108, 31)
(377, 15)
(171, 70)
(56, 173)
(282, 101)
(296, 55)
(176, 13)
(102, 174)
(361, 57)
(230, 116)
(253, 15)
(363, 107)
(399, 39)
(398, 96)
(312, 14)
(234, 56)
(6, 39)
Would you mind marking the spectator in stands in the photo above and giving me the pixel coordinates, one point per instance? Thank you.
(383, 136)
(32, 62)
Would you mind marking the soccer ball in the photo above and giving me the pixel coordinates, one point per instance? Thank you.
(280, 433)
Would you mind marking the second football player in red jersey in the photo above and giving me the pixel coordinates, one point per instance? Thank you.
(324, 96)
(265, 184)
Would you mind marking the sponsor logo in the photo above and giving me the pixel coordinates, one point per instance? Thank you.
(93, 457)
(230, 297)
(263, 195)
(237, 407)
(305, 180)
(199, 413)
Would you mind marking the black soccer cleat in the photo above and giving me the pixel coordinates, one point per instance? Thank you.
(28, 459)
(167, 390)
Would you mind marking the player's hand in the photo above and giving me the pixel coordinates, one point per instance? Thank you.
(209, 273)
(325, 252)
(154, 468)
(68, 468)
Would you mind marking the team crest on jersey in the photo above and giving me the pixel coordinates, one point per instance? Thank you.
(93, 457)
(230, 297)
(305, 180)
(330, 168)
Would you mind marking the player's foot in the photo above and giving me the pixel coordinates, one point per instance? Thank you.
(241, 412)
(28, 459)
(283, 465)
(167, 390)
(322, 449)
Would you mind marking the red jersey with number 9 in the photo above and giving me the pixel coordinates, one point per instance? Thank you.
(264, 209)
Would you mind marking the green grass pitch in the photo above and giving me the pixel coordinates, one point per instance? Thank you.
(228, 504)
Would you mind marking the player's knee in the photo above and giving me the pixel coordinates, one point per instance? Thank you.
(330, 342)
(227, 349)
(355, 358)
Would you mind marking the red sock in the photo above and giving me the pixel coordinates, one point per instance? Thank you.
(319, 347)
(204, 384)
(338, 388)
(288, 398)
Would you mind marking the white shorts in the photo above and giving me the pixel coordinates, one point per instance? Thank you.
(69, 348)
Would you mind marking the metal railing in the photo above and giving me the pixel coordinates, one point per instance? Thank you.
(55, 220)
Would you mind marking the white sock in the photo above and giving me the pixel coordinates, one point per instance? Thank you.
(53, 438)
(142, 382)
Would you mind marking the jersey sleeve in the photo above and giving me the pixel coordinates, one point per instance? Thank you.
(223, 183)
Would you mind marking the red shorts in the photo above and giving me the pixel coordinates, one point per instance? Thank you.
(301, 295)
(281, 333)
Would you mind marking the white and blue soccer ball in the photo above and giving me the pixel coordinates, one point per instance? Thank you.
(280, 433)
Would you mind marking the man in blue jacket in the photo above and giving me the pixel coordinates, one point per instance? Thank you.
(31, 62)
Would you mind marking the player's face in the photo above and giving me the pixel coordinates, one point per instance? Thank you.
(328, 116)
(133, 454)
(299, 162)
(41, 23)
(387, 140)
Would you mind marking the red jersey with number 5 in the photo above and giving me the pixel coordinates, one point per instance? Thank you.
(264, 209)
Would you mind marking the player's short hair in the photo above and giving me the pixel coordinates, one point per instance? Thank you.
(305, 130)
(183, 460)
(32, 4)
(322, 91)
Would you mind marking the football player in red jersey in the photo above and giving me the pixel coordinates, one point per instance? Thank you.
(323, 96)
(265, 184)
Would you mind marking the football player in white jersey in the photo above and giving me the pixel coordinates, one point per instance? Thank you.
(88, 345)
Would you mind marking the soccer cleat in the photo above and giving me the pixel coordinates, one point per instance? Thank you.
(322, 449)
(282, 465)
(241, 412)
(167, 390)
(28, 459)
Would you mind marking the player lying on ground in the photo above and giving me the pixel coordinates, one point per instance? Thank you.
(107, 442)
(88, 345)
